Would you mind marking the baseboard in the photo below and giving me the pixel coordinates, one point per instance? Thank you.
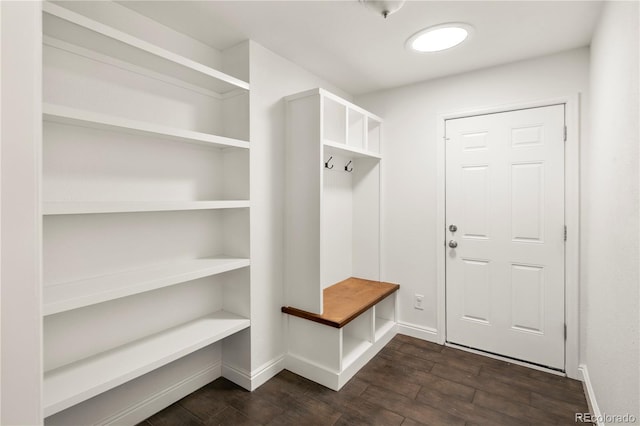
(255, 379)
(419, 332)
(590, 394)
(262, 374)
(312, 371)
(136, 413)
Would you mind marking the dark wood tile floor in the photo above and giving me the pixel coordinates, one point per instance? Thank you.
(410, 382)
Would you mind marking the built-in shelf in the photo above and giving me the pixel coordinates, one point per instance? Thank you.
(62, 297)
(352, 348)
(334, 148)
(98, 207)
(98, 37)
(383, 326)
(77, 117)
(79, 381)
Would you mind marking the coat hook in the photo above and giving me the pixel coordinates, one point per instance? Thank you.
(326, 165)
(347, 167)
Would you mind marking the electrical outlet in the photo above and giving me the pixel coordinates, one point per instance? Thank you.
(417, 301)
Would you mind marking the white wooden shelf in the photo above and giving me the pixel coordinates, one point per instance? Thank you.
(83, 118)
(95, 36)
(79, 381)
(352, 348)
(383, 326)
(335, 148)
(98, 207)
(62, 297)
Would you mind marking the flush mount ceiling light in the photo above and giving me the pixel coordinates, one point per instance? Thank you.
(439, 37)
(383, 7)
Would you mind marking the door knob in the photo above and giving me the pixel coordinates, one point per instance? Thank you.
(453, 228)
(453, 244)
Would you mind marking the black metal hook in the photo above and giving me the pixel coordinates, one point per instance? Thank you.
(347, 167)
(326, 165)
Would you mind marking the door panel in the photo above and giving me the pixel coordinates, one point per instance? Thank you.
(505, 194)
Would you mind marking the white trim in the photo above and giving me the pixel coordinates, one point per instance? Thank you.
(572, 245)
(590, 393)
(572, 216)
(239, 376)
(419, 332)
(162, 399)
(258, 377)
(264, 373)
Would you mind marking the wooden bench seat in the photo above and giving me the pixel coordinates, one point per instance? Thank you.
(344, 301)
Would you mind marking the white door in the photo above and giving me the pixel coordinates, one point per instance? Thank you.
(505, 195)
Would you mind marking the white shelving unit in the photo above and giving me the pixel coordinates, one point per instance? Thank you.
(332, 233)
(79, 381)
(333, 214)
(145, 203)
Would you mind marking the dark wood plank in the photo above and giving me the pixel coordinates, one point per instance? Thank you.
(488, 384)
(344, 301)
(231, 416)
(410, 408)
(174, 415)
(467, 410)
(363, 412)
(514, 409)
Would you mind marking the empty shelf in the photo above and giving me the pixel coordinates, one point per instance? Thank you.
(78, 117)
(76, 294)
(96, 207)
(79, 381)
(69, 26)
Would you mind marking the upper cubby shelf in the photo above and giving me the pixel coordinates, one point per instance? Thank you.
(347, 130)
(334, 148)
(68, 26)
(83, 118)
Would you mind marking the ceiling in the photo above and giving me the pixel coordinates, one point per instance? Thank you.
(361, 52)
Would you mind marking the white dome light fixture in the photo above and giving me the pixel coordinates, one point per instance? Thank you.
(383, 7)
(439, 37)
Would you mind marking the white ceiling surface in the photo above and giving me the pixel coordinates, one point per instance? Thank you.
(359, 51)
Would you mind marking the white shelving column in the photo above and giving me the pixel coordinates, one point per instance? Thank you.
(332, 214)
(332, 235)
(145, 221)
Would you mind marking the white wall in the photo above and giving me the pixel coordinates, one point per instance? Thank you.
(20, 335)
(611, 215)
(410, 116)
(272, 78)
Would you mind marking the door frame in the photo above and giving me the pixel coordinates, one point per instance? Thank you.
(572, 216)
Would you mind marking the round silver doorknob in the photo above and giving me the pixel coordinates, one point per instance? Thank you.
(453, 244)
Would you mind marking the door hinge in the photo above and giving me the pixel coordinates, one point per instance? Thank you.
(565, 332)
(565, 133)
(565, 232)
